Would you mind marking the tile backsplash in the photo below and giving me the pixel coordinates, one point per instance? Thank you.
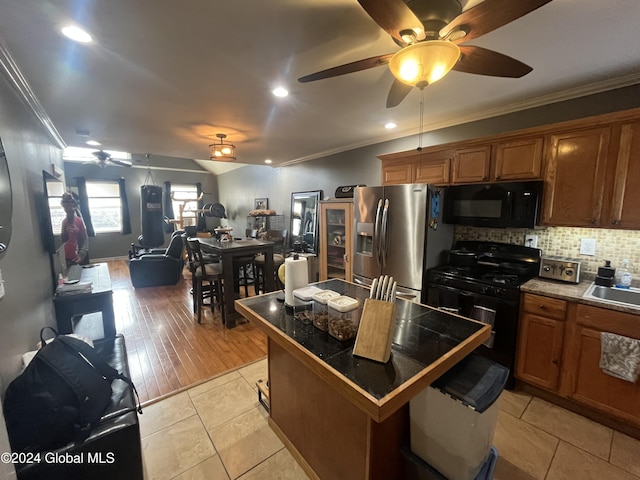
(614, 245)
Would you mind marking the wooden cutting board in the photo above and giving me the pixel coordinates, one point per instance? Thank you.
(375, 332)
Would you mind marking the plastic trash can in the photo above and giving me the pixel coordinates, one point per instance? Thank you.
(453, 421)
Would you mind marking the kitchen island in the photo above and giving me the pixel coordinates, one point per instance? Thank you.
(343, 416)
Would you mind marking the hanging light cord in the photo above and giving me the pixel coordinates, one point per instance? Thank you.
(421, 120)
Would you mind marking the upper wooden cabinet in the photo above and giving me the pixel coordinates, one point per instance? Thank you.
(417, 167)
(575, 177)
(472, 164)
(590, 167)
(518, 159)
(625, 204)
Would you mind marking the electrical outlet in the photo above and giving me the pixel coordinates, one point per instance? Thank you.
(588, 246)
(531, 241)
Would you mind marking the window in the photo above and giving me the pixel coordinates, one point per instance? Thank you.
(105, 206)
(184, 198)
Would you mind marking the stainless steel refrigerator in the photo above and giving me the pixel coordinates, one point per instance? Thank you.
(399, 233)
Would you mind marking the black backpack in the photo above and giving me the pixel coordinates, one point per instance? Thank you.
(59, 397)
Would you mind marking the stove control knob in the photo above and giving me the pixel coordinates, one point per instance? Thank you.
(568, 272)
(546, 268)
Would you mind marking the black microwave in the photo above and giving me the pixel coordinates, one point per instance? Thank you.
(501, 205)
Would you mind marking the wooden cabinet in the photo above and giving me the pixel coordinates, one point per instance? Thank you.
(508, 160)
(417, 167)
(394, 174)
(472, 164)
(575, 177)
(588, 383)
(542, 326)
(519, 159)
(336, 239)
(625, 204)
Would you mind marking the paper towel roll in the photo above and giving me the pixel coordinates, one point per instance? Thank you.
(296, 275)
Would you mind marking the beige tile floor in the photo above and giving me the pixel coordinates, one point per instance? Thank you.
(219, 431)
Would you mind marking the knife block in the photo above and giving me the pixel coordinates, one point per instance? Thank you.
(375, 333)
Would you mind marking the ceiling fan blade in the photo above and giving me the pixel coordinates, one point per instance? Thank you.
(393, 16)
(488, 16)
(482, 61)
(121, 163)
(348, 68)
(397, 93)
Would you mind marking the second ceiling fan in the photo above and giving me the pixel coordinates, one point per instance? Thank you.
(431, 34)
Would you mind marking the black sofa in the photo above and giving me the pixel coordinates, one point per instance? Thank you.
(162, 267)
(113, 449)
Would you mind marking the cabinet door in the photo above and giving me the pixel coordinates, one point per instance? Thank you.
(393, 174)
(472, 164)
(336, 240)
(518, 159)
(575, 177)
(593, 387)
(540, 350)
(434, 168)
(625, 208)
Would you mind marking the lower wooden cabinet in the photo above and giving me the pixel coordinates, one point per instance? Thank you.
(559, 350)
(588, 384)
(542, 323)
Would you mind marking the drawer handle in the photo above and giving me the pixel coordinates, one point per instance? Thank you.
(542, 307)
(555, 362)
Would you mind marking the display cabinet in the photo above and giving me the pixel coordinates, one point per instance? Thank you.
(336, 239)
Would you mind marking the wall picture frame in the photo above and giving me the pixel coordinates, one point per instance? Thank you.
(261, 204)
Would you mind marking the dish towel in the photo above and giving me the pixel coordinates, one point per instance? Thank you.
(620, 356)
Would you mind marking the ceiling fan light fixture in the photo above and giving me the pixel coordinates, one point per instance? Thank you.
(424, 63)
(222, 151)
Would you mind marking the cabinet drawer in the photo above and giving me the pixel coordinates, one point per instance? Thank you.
(545, 306)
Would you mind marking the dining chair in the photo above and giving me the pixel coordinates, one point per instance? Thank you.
(243, 271)
(207, 280)
(279, 237)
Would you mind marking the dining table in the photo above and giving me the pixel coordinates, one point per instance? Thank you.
(227, 250)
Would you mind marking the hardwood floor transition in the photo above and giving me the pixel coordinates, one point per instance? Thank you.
(168, 350)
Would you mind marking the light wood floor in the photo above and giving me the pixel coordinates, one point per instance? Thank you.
(168, 350)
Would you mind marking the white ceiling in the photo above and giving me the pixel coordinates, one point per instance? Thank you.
(165, 76)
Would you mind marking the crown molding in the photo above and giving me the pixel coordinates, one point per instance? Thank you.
(22, 88)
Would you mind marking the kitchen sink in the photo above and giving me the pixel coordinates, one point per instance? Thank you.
(627, 296)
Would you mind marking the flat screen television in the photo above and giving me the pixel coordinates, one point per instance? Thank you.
(52, 212)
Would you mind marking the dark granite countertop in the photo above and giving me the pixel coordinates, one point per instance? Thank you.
(422, 337)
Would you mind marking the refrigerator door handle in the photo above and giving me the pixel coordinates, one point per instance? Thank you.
(377, 231)
(384, 240)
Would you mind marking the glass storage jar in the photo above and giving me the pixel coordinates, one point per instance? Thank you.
(320, 309)
(344, 317)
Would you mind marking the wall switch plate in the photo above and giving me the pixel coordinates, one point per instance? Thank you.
(588, 246)
(531, 241)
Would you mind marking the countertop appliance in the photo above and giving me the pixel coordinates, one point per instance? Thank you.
(488, 291)
(399, 233)
(560, 268)
(504, 205)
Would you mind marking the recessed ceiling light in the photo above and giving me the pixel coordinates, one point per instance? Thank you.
(93, 143)
(390, 125)
(280, 92)
(77, 34)
(268, 161)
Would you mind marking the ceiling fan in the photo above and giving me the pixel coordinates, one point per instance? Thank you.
(104, 159)
(431, 34)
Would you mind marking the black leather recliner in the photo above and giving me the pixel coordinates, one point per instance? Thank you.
(163, 267)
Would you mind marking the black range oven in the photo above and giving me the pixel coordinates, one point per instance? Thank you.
(487, 288)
